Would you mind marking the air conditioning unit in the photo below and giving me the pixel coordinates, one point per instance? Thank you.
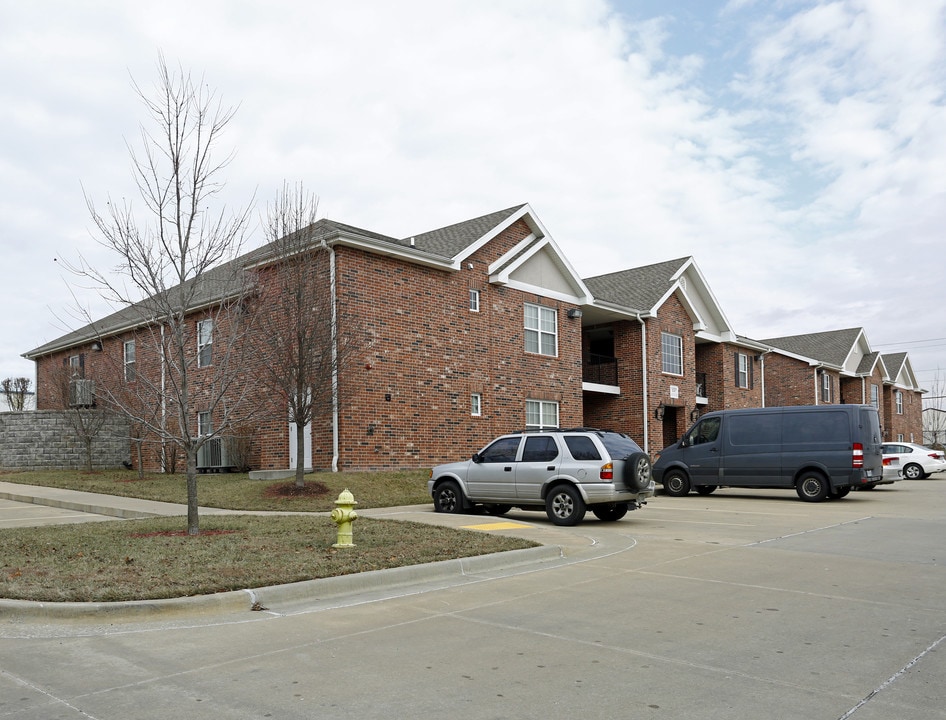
(81, 393)
(214, 456)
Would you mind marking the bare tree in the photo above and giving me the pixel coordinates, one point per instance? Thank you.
(300, 331)
(176, 277)
(16, 391)
(72, 390)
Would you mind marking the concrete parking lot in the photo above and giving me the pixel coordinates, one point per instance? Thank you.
(738, 605)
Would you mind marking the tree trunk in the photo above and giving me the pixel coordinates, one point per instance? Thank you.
(193, 522)
(300, 455)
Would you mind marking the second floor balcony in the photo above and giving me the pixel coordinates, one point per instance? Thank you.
(599, 370)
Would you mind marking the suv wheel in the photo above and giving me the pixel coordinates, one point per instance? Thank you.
(610, 513)
(812, 487)
(448, 498)
(637, 471)
(564, 505)
(676, 483)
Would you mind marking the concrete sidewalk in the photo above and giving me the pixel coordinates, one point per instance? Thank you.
(97, 503)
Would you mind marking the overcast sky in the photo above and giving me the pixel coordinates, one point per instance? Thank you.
(795, 148)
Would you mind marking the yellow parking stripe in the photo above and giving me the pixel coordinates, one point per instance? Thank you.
(496, 526)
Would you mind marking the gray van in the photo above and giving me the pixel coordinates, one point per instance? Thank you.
(822, 451)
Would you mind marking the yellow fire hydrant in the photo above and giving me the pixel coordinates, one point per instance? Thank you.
(344, 515)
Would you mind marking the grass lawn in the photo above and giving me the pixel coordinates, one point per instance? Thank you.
(235, 491)
(154, 558)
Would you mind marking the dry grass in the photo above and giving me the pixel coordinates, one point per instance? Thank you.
(148, 559)
(236, 491)
(153, 558)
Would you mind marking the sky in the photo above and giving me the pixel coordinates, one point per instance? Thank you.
(795, 148)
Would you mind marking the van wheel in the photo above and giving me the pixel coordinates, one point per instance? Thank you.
(610, 513)
(637, 471)
(812, 487)
(564, 505)
(448, 498)
(676, 483)
(705, 489)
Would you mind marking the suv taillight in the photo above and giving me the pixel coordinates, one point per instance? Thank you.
(607, 472)
(857, 457)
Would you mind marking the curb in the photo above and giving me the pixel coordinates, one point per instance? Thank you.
(236, 601)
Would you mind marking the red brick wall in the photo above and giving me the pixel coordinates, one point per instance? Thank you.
(718, 361)
(788, 381)
(409, 405)
(908, 423)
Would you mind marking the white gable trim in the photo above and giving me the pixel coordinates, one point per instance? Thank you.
(500, 271)
(525, 212)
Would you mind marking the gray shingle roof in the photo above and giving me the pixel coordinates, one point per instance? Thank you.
(638, 289)
(225, 280)
(832, 347)
(450, 241)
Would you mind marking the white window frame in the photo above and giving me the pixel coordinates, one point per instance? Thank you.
(671, 350)
(541, 329)
(825, 387)
(874, 395)
(129, 353)
(474, 300)
(898, 399)
(205, 424)
(743, 371)
(541, 414)
(205, 341)
(476, 404)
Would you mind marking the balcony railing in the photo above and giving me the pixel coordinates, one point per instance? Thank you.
(600, 369)
(701, 385)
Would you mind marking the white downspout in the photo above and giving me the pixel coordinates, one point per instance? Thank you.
(334, 315)
(644, 383)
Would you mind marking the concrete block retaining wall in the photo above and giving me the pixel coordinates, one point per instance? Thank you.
(47, 440)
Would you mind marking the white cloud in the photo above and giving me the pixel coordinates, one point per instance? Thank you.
(793, 151)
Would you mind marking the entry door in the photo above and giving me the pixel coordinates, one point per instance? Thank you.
(292, 445)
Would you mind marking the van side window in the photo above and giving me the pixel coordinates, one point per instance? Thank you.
(582, 448)
(705, 431)
(540, 449)
(816, 427)
(756, 429)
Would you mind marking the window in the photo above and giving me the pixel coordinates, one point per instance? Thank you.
(874, 396)
(705, 432)
(129, 359)
(540, 449)
(582, 447)
(476, 404)
(474, 300)
(541, 414)
(898, 398)
(205, 338)
(503, 450)
(204, 423)
(77, 366)
(541, 325)
(671, 351)
(825, 387)
(742, 370)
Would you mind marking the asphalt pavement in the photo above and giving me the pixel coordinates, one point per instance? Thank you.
(737, 605)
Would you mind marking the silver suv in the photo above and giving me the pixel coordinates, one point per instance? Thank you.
(563, 471)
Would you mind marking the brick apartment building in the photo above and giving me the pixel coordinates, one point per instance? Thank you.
(483, 327)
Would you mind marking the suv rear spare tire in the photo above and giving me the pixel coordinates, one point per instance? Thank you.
(637, 471)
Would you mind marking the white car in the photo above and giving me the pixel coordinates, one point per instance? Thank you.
(892, 470)
(916, 461)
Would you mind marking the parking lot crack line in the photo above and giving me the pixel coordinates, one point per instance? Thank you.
(891, 680)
